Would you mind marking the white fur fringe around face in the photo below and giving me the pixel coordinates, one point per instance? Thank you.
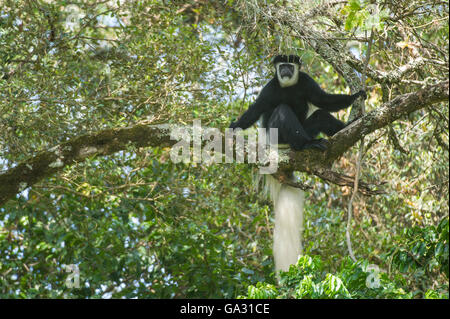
(284, 81)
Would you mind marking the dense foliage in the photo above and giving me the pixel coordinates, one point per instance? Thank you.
(423, 253)
(136, 225)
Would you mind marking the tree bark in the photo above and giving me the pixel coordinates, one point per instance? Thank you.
(109, 141)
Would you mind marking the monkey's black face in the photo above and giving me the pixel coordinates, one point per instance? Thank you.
(286, 70)
(287, 73)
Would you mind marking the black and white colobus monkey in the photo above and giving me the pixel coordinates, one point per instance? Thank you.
(295, 104)
(285, 103)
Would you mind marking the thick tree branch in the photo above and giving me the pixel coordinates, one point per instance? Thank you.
(387, 113)
(110, 141)
(77, 150)
(331, 177)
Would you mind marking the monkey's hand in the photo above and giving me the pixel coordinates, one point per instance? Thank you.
(361, 93)
(233, 125)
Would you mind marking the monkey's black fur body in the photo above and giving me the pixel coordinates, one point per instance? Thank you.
(286, 106)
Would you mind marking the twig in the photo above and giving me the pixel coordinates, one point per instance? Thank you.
(283, 178)
(349, 181)
(360, 155)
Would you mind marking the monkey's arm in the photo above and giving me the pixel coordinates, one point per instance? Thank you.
(249, 117)
(327, 101)
(254, 112)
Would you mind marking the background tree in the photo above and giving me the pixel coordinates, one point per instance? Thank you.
(86, 179)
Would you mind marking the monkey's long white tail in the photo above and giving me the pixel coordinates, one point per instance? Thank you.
(287, 239)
